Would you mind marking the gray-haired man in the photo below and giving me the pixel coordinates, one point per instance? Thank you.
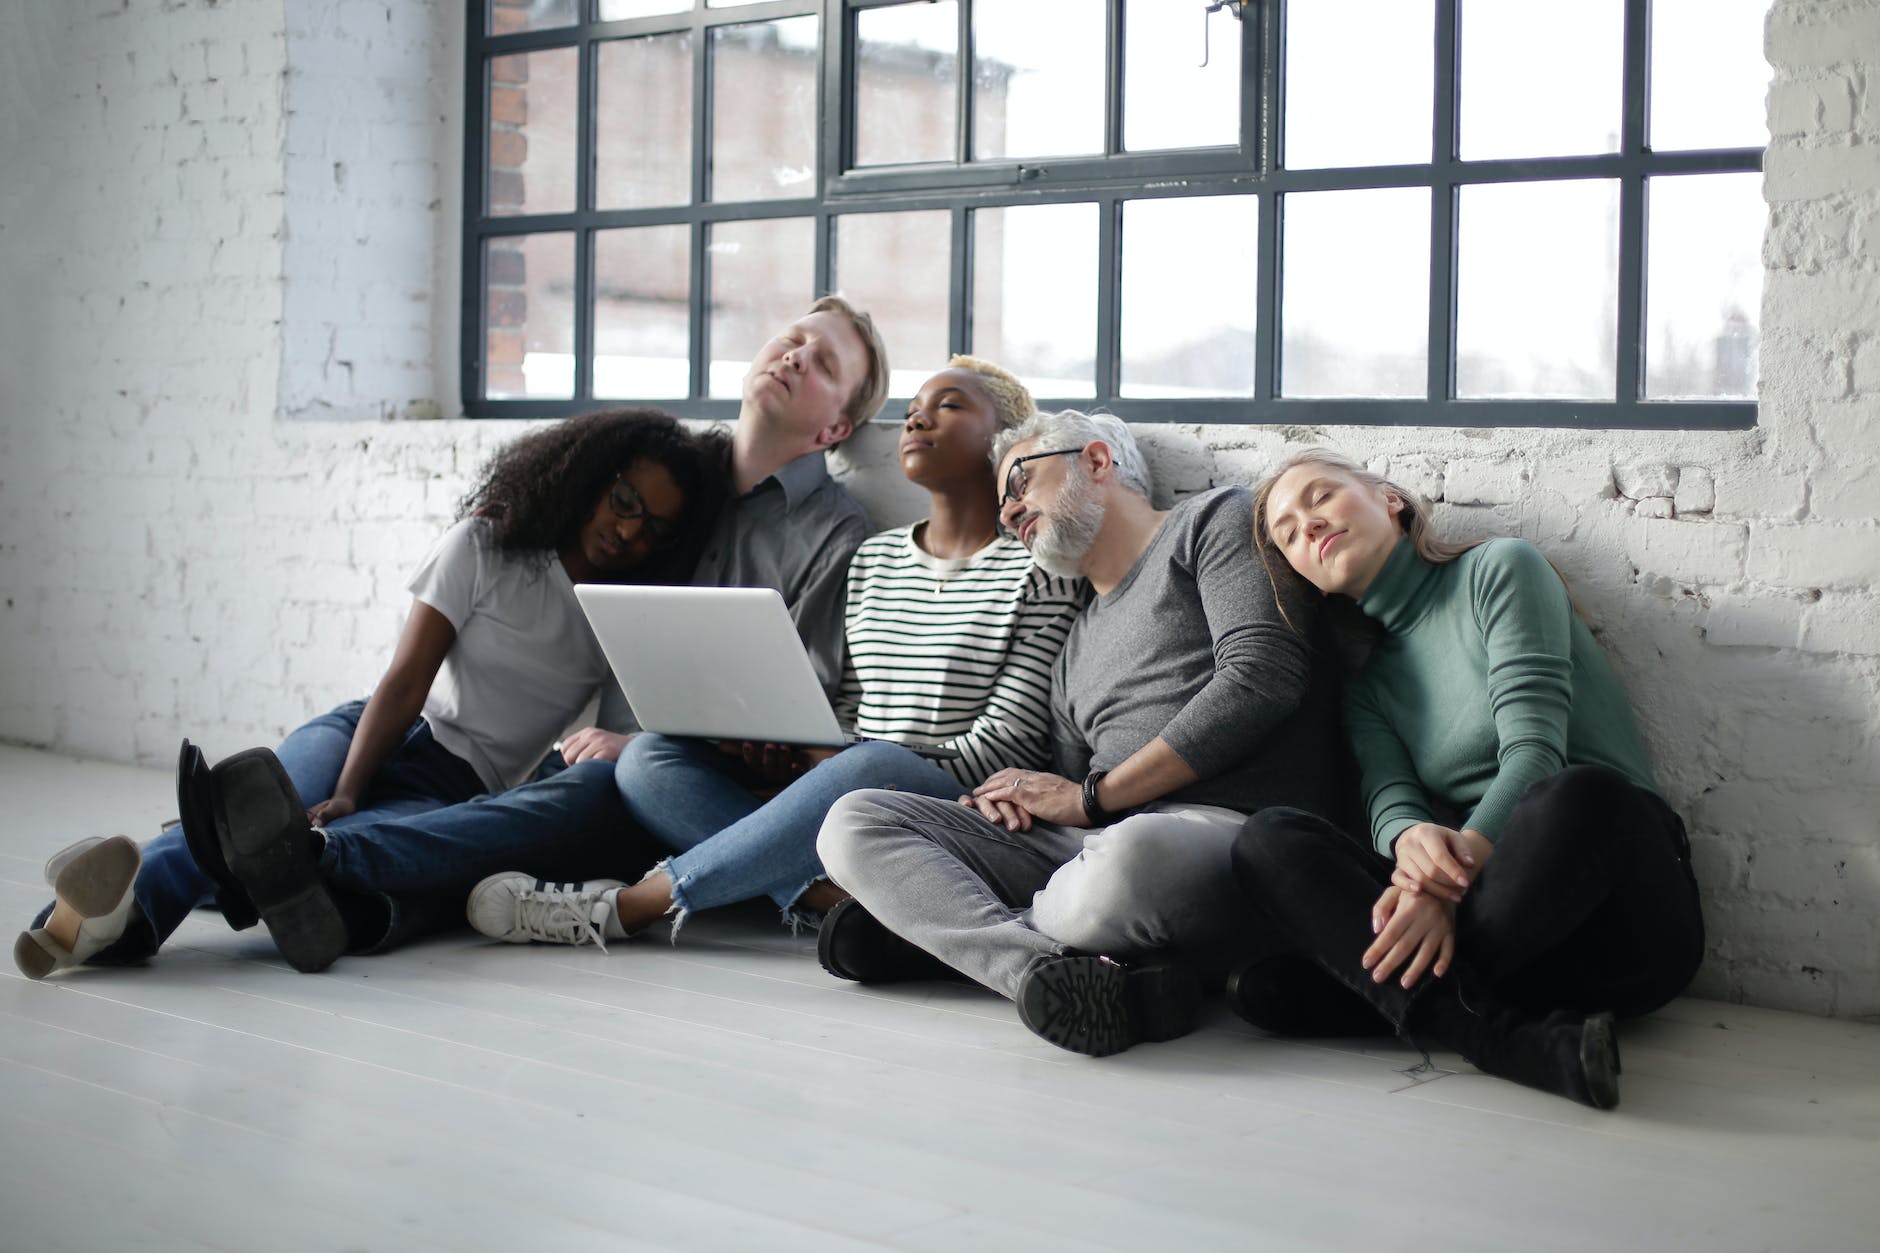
(1183, 700)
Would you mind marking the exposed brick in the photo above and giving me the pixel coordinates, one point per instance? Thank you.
(1697, 490)
(1765, 620)
(1814, 556)
(1757, 491)
(1701, 551)
(1843, 623)
(1474, 482)
(1791, 172)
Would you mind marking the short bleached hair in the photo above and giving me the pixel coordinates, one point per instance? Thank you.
(1011, 399)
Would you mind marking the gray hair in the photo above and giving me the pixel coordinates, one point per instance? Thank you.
(1070, 428)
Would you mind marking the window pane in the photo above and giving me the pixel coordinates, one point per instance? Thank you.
(1168, 100)
(1355, 304)
(643, 122)
(619, 10)
(1541, 80)
(1359, 77)
(762, 273)
(1035, 294)
(531, 135)
(907, 83)
(1709, 77)
(642, 282)
(1703, 285)
(509, 16)
(895, 266)
(1188, 296)
(1038, 78)
(1538, 290)
(767, 150)
(529, 345)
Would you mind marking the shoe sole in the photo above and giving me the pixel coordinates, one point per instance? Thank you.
(265, 840)
(35, 959)
(1097, 1007)
(196, 816)
(94, 884)
(1599, 1061)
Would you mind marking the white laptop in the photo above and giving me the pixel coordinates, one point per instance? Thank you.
(721, 663)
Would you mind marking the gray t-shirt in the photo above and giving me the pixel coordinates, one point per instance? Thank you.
(524, 661)
(1191, 646)
(796, 532)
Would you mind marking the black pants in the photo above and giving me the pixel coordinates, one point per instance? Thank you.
(1587, 904)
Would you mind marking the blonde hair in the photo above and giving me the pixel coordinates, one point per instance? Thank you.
(873, 388)
(1414, 519)
(1011, 400)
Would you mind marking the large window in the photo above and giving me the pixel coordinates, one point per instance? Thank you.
(1465, 212)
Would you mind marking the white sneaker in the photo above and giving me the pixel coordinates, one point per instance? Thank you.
(517, 909)
(92, 880)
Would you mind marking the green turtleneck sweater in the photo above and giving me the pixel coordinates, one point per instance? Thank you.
(1486, 683)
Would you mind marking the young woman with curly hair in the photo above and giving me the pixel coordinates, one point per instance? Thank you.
(494, 661)
(1528, 882)
(951, 633)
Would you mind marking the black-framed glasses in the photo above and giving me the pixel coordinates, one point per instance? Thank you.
(628, 505)
(1018, 479)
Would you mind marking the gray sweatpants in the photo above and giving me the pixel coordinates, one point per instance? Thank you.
(991, 902)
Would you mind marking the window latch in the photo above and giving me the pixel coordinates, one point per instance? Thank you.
(1237, 7)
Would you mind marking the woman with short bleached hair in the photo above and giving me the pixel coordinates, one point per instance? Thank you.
(1529, 883)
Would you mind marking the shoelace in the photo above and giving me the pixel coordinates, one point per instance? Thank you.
(559, 917)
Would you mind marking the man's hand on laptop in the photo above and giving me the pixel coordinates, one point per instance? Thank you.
(592, 744)
(777, 764)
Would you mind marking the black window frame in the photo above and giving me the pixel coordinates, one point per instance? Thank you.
(1110, 180)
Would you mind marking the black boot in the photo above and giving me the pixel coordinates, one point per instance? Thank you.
(1567, 1053)
(1098, 1006)
(197, 817)
(1287, 995)
(852, 944)
(266, 843)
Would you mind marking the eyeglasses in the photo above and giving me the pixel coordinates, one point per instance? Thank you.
(1018, 479)
(628, 505)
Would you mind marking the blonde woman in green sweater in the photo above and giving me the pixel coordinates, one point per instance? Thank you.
(1528, 882)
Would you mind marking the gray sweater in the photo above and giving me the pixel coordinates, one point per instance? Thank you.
(1191, 646)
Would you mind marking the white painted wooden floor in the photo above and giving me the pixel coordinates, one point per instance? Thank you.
(726, 1094)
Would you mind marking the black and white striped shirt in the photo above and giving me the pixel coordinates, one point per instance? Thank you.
(955, 652)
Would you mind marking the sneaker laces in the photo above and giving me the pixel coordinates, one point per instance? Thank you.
(560, 917)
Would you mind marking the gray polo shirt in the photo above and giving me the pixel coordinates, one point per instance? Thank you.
(795, 531)
(1191, 646)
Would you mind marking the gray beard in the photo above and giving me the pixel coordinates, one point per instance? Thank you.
(1065, 534)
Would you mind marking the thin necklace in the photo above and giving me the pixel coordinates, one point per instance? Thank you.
(951, 565)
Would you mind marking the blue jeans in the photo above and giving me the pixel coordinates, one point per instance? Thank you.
(564, 827)
(730, 845)
(419, 775)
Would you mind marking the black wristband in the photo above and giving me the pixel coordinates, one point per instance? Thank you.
(1093, 808)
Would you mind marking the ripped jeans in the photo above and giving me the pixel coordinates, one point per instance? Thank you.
(729, 845)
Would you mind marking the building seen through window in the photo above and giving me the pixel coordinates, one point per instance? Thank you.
(1423, 211)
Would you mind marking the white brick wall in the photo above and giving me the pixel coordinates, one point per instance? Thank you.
(219, 216)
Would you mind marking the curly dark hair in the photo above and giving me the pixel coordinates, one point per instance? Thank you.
(541, 488)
